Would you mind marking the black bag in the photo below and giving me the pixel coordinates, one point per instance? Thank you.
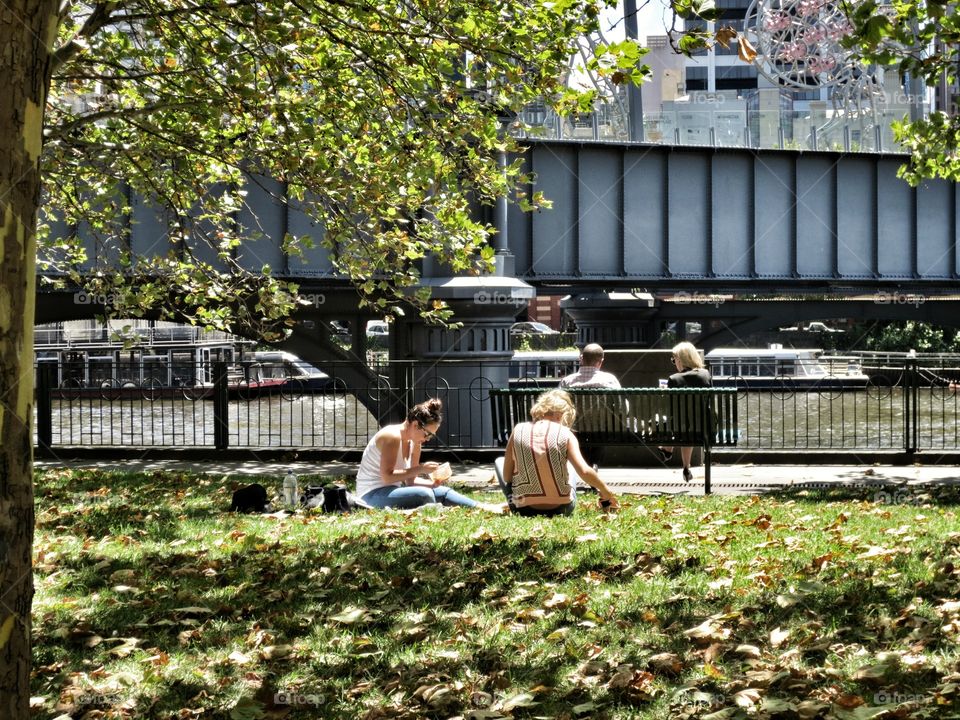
(250, 499)
(335, 499)
(313, 497)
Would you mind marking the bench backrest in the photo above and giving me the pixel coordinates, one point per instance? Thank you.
(679, 416)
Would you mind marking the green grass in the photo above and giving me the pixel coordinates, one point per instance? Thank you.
(154, 602)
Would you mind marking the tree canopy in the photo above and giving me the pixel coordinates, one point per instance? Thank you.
(383, 121)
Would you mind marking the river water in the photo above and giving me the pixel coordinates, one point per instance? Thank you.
(875, 418)
(308, 421)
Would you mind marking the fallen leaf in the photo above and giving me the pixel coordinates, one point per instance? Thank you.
(521, 700)
(778, 636)
(745, 51)
(747, 698)
(871, 672)
(351, 616)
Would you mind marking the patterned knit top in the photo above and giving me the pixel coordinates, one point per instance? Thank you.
(540, 457)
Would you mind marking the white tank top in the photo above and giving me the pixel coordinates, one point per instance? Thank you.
(368, 474)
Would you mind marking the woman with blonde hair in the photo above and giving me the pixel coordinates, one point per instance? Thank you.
(691, 373)
(533, 472)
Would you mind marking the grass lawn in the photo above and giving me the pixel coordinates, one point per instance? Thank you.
(153, 601)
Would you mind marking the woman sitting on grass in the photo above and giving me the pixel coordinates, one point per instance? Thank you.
(533, 473)
(390, 466)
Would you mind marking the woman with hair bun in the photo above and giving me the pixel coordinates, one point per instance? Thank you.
(533, 472)
(391, 465)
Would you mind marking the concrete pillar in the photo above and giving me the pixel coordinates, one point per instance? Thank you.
(613, 319)
(446, 362)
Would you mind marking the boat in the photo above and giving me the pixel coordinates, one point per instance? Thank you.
(157, 361)
(784, 369)
(543, 368)
(296, 376)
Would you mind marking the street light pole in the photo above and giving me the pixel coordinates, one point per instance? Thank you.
(634, 97)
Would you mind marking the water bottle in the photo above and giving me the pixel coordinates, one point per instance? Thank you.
(290, 489)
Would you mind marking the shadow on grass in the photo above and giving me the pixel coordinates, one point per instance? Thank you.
(371, 608)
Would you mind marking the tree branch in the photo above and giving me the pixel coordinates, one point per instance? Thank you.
(100, 16)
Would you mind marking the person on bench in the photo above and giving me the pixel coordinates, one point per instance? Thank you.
(691, 373)
(533, 472)
(390, 469)
(591, 376)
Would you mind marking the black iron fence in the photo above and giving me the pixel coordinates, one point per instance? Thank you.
(259, 408)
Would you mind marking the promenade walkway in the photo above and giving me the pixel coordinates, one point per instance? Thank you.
(726, 479)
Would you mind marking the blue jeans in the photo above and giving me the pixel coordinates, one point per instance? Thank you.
(412, 496)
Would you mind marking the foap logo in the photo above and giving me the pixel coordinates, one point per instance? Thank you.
(707, 99)
(687, 298)
(896, 698)
(98, 699)
(485, 297)
(900, 497)
(313, 299)
(896, 298)
(298, 698)
(84, 298)
(902, 98)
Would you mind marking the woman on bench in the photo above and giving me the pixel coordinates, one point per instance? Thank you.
(691, 373)
(533, 472)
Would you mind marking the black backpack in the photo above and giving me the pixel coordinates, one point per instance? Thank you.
(330, 498)
(250, 499)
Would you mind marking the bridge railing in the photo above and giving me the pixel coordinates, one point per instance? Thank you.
(909, 407)
(719, 123)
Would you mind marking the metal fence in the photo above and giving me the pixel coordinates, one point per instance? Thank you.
(343, 411)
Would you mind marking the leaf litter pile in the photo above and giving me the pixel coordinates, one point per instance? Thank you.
(152, 601)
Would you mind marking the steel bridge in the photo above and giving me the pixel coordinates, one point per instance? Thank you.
(632, 215)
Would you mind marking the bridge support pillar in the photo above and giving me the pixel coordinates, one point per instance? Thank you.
(446, 362)
(613, 319)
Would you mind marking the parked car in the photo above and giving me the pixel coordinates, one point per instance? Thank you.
(820, 327)
(531, 328)
(339, 329)
(377, 328)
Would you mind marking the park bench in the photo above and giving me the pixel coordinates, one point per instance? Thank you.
(697, 417)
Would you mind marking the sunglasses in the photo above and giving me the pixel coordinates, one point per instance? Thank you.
(429, 435)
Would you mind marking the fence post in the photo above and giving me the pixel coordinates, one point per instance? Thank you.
(706, 423)
(46, 382)
(911, 412)
(221, 408)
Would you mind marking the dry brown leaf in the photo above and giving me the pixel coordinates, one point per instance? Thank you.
(666, 662)
(239, 658)
(778, 636)
(745, 51)
(747, 698)
(276, 652)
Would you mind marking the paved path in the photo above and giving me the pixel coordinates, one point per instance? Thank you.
(726, 479)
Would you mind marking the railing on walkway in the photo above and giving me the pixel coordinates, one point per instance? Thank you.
(714, 120)
(340, 412)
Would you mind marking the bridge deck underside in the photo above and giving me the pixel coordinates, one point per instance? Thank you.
(657, 215)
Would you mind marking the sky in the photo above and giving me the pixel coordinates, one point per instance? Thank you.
(652, 18)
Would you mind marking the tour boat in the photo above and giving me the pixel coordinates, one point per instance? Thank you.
(778, 368)
(166, 361)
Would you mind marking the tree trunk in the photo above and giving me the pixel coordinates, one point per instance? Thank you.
(27, 34)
